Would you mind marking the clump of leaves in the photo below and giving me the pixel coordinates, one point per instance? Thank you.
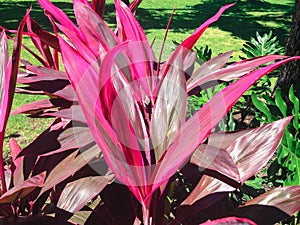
(120, 149)
(267, 44)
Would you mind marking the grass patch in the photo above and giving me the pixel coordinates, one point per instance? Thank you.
(235, 27)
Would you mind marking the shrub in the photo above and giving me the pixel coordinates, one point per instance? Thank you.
(120, 150)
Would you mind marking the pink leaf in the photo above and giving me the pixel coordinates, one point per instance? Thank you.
(254, 149)
(287, 199)
(79, 192)
(230, 221)
(206, 186)
(197, 128)
(169, 110)
(20, 191)
(210, 157)
(68, 166)
(207, 72)
(15, 149)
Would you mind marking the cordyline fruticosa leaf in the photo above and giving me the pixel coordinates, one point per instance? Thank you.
(230, 221)
(21, 190)
(70, 165)
(9, 71)
(115, 105)
(79, 192)
(244, 151)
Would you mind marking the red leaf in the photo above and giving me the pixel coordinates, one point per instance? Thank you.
(98, 6)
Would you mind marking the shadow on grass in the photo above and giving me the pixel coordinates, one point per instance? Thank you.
(242, 20)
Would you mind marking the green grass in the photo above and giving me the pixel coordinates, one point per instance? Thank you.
(235, 27)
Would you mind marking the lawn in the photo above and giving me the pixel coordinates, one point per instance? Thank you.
(235, 27)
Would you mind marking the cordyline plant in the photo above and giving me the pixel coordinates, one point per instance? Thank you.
(120, 150)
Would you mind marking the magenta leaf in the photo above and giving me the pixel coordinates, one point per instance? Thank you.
(79, 192)
(99, 37)
(189, 42)
(21, 190)
(41, 47)
(230, 221)
(8, 79)
(59, 15)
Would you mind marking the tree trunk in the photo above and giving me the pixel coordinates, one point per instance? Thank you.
(291, 71)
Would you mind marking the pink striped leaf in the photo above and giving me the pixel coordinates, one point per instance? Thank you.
(169, 110)
(208, 71)
(253, 150)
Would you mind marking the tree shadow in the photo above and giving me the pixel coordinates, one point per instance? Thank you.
(11, 13)
(242, 20)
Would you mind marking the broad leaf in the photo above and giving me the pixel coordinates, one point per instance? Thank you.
(287, 199)
(79, 192)
(213, 158)
(254, 149)
(21, 190)
(69, 166)
(197, 128)
(204, 75)
(230, 221)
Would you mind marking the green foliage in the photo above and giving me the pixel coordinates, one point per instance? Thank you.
(286, 168)
(267, 44)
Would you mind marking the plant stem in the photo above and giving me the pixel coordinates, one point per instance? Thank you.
(2, 174)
